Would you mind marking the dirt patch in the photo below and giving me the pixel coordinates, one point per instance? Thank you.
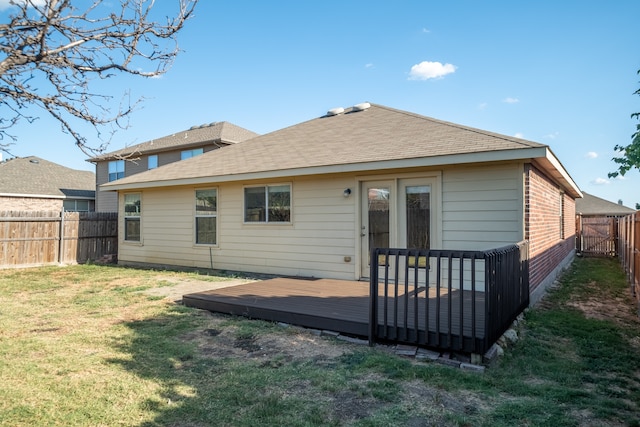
(220, 340)
(618, 309)
(176, 288)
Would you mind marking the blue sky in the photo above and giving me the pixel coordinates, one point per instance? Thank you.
(560, 73)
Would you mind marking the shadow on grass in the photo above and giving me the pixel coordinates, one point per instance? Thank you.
(567, 370)
(196, 390)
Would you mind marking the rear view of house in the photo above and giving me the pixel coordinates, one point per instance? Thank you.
(313, 199)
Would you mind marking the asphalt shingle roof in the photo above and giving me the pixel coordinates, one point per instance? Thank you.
(35, 176)
(377, 133)
(221, 132)
(592, 205)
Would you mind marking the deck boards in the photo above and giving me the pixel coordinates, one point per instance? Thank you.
(343, 306)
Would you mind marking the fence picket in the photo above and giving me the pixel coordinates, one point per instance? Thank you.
(50, 237)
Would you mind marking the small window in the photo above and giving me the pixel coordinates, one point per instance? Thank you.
(187, 154)
(152, 161)
(116, 170)
(270, 203)
(206, 217)
(132, 217)
(76, 205)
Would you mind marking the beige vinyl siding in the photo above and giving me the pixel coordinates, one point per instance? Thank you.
(482, 207)
(314, 244)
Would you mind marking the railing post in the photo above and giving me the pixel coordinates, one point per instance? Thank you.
(373, 297)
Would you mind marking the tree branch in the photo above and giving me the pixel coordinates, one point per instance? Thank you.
(51, 51)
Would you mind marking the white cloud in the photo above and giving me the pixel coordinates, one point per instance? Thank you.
(510, 100)
(483, 106)
(519, 135)
(369, 65)
(553, 135)
(591, 155)
(430, 70)
(600, 181)
(426, 30)
(4, 4)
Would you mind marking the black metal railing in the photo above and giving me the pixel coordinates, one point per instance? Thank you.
(447, 299)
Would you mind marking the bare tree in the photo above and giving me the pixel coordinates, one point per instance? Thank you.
(51, 51)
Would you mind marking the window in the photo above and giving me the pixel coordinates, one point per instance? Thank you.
(187, 154)
(418, 206)
(271, 203)
(76, 205)
(132, 217)
(152, 161)
(206, 217)
(116, 170)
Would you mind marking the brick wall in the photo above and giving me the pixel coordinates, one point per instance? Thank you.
(550, 225)
(29, 204)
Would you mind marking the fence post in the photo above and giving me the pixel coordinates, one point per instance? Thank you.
(61, 236)
(579, 232)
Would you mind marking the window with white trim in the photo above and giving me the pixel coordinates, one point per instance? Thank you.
(116, 170)
(206, 217)
(132, 212)
(269, 203)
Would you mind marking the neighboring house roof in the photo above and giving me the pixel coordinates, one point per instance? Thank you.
(36, 177)
(223, 133)
(591, 205)
(364, 137)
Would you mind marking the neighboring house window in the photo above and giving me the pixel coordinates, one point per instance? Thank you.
(132, 217)
(270, 203)
(187, 154)
(152, 161)
(116, 170)
(76, 205)
(206, 217)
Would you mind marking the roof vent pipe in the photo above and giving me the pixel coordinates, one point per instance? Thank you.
(361, 107)
(335, 111)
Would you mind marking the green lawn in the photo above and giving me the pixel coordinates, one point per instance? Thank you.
(86, 346)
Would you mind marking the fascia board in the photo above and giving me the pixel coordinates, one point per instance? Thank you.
(480, 157)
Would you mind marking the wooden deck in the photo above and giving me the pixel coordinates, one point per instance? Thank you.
(343, 306)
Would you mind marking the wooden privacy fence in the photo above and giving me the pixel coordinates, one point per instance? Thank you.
(629, 250)
(50, 237)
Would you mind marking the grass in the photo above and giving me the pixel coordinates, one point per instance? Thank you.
(84, 345)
